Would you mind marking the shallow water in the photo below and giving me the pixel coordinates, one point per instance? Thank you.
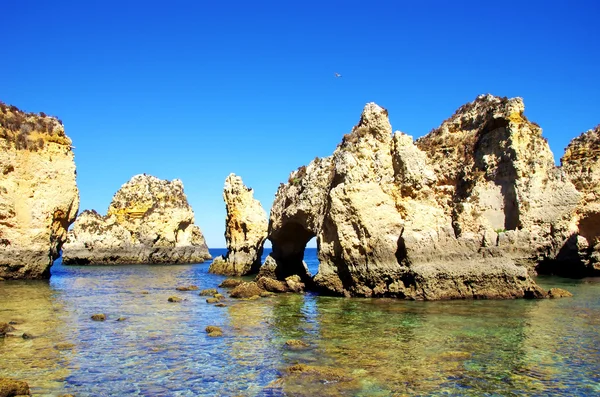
(357, 347)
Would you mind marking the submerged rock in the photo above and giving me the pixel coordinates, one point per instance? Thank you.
(149, 221)
(455, 214)
(187, 288)
(11, 387)
(245, 230)
(559, 293)
(5, 328)
(38, 192)
(98, 317)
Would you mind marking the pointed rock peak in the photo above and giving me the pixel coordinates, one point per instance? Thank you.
(234, 183)
(374, 119)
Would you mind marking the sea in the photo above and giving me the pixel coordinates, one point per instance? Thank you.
(344, 346)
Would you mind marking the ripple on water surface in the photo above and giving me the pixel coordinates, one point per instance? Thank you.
(353, 347)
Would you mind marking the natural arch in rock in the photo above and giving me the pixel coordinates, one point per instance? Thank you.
(289, 244)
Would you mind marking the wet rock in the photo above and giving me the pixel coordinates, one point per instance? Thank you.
(559, 293)
(294, 283)
(121, 319)
(208, 292)
(39, 198)
(27, 335)
(174, 299)
(245, 230)
(230, 283)
(148, 221)
(98, 317)
(5, 328)
(246, 290)
(214, 331)
(187, 288)
(220, 305)
(295, 344)
(212, 300)
(272, 285)
(11, 387)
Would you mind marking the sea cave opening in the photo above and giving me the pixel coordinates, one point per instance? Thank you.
(290, 248)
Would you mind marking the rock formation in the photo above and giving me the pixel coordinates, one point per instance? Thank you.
(245, 230)
(38, 193)
(580, 256)
(148, 221)
(455, 214)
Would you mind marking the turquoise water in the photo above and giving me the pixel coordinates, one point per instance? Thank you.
(356, 347)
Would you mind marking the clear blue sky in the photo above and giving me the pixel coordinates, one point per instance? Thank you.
(196, 90)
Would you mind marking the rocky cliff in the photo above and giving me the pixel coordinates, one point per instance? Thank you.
(580, 256)
(453, 215)
(148, 221)
(245, 230)
(38, 193)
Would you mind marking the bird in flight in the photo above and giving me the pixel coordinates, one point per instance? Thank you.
(337, 75)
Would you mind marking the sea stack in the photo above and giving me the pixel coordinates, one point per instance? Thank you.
(464, 212)
(580, 255)
(245, 230)
(148, 221)
(39, 197)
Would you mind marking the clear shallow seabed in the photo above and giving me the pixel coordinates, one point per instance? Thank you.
(358, 347)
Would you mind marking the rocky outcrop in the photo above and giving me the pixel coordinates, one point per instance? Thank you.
(455, 214)
(245, 230)
(148, 221)
(38, 193)
(580, 256)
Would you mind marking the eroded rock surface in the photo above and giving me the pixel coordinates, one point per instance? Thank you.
(245, 230)
(580, 256)
(38, 193)
(148, 221)
(455, 214)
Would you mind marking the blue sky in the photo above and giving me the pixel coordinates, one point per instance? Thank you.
(196, 90)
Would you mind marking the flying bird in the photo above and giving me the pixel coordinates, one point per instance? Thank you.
(337, 75)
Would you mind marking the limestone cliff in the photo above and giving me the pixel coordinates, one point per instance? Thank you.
(581, 161)
(245, 230)
(445, 217)
(148, 221)
(38, 192)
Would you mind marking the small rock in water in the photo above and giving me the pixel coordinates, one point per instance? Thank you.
(144, 292)
(212, 300)
(174, 299)
(296, 344)
(221, 305)
(122, 319)
(208, 292)
(246, 290)
(214, 331)
(559, 293)
(12, 387)
(230, 283)
(27, 335)
(5, 328)
(98, 317)
(187, 288)
(218, 296)
(64, 346)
